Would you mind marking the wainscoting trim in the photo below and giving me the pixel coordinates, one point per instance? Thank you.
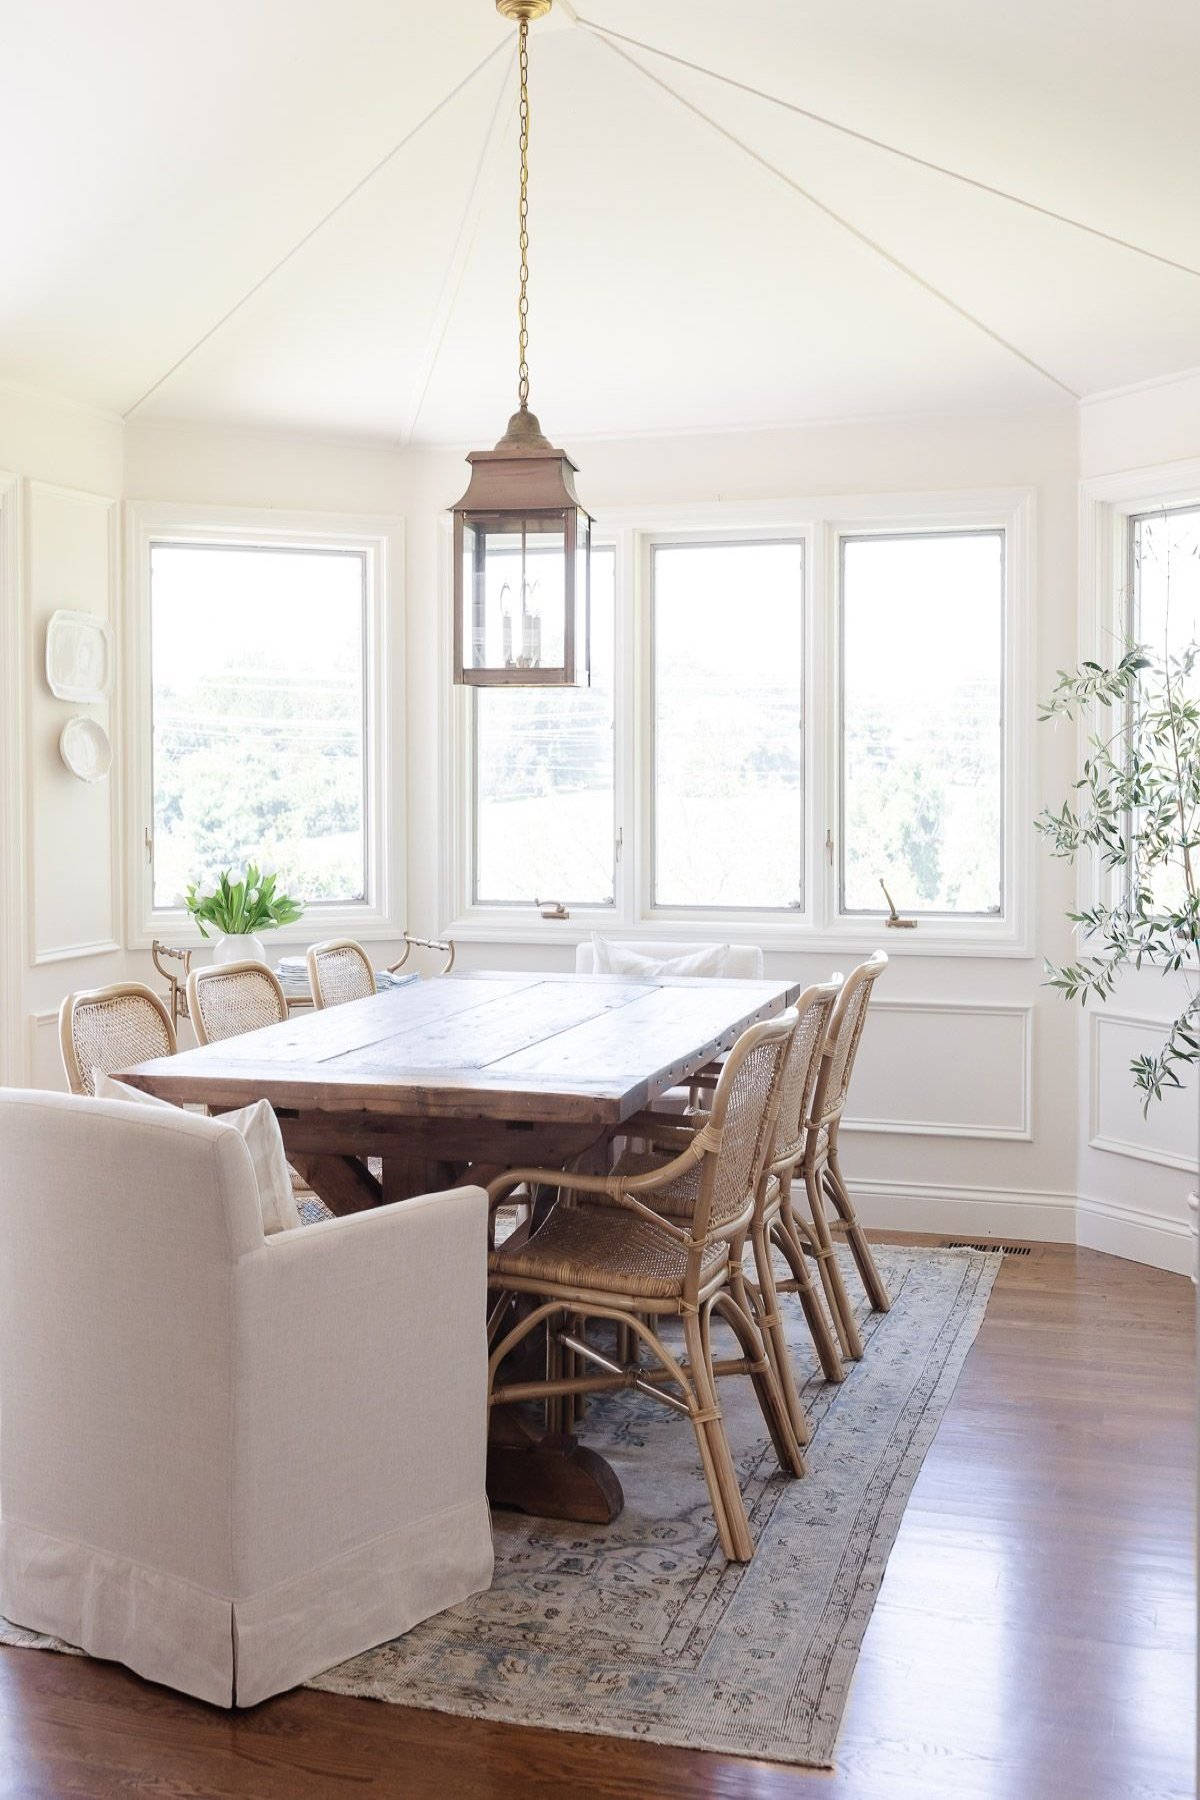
(1022, 1130)
(1098, 1138)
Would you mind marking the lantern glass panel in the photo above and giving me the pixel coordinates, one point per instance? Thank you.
(514, 582)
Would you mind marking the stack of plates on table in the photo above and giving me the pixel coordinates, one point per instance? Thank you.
(293, 974)
(385, 979)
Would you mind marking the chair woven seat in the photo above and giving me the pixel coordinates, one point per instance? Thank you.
(608, 1249)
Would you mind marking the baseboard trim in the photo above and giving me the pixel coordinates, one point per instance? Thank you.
(1028, 1214)
(1138, 1236)
(1043, 1217)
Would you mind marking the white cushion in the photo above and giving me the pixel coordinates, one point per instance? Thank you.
(623, 959)
(258, 1125)
(743, 962)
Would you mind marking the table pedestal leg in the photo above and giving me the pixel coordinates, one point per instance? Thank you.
(552, 1477)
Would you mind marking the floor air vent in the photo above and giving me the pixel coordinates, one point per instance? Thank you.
(1004, 1249)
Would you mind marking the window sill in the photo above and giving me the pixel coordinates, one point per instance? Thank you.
(364, 923)
(847, 937)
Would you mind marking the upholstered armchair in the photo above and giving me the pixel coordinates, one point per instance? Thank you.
(228, 1461)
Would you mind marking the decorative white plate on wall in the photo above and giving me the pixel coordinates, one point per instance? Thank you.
(79, 656)
(84, 747)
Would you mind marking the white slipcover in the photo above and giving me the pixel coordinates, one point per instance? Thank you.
(228, 1461)
(743, 963)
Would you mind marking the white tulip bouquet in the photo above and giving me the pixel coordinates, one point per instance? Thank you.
(238, 901)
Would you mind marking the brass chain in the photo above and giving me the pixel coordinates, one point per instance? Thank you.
(523, 303)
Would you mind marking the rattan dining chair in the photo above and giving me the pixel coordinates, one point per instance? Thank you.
(339, 970)
(444, 946)
(821, 1170)
(226, 999)
(801, 1072)
(111, 1028)
(636, 1266)
(797, 1082)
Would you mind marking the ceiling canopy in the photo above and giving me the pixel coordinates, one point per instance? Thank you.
(291, 215)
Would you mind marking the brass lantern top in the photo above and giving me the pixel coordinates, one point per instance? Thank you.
(524, 473)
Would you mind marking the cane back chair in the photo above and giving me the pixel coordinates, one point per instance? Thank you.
(632, 1264)
(339, 970)
(111, 1028)
(228, 998)
(821, 1169)
(797, 1081)
(801, 1074)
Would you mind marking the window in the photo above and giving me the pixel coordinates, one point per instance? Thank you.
(922, 622)
(728, 793)
(1164, 615)
(258, 715)
(1164, 580)
(789, 705)
(266, 706)
(543, 762)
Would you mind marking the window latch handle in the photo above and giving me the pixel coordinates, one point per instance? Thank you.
(893, 919)
(552, 909)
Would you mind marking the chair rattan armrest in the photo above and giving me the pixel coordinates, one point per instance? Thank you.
(623, 1190)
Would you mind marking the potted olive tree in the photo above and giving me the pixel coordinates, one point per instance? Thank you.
(1136, 810)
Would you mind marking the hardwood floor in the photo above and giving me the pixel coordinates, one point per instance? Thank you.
(1033, 1639)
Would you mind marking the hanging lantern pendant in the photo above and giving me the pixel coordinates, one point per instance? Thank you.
(519, 528)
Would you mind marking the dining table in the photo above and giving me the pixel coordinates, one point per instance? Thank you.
(458, 1078)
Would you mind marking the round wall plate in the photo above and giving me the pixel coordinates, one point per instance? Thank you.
(84, 747)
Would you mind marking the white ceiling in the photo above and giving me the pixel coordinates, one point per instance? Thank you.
(161, 160)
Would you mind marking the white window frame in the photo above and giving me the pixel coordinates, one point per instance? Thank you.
(818, 523)
(693, 921)
(381, 543)
(1107, 504)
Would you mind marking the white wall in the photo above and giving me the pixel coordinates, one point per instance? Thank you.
(1135, 1169)
(1140, 427)
(60, 911)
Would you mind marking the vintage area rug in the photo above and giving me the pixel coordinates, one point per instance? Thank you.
(640, 1629)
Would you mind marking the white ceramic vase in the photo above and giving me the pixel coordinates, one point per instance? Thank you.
(238, 946)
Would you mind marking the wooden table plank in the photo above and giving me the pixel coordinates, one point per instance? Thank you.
(494, 1029)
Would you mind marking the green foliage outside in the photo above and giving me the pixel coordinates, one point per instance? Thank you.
(256, 764)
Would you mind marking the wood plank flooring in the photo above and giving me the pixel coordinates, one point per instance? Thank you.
(1033, 1639)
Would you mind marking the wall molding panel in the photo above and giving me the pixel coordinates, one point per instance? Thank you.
(982, 1088)
(73, 829)
(1167, 1135)
(12, 922)
(43, 1060)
